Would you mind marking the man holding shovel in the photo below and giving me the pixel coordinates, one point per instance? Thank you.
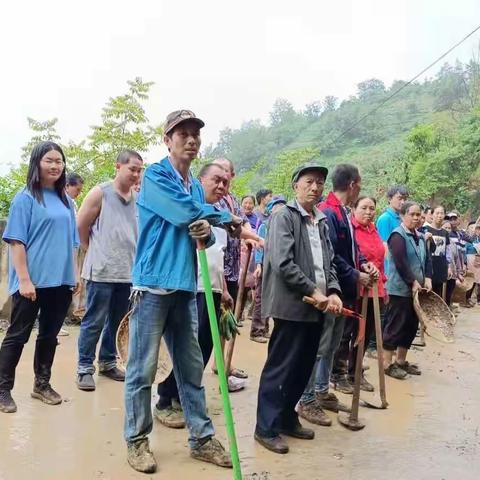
(172, 212)
(298, 262)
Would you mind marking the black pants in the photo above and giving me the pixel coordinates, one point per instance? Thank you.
(232, 288)
(53, 305)
(167, 390)
(291, 356)
(475, 288)
(401, 323)
(343, 354)
(369, 334)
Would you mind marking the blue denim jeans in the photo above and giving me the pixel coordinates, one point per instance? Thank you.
(175, 316)
(107, 304)
(329, 341)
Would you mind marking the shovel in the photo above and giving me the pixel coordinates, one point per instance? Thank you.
(217, 350)
(381, 371)
(239, 304)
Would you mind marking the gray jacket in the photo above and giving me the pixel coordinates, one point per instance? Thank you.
(288, 271)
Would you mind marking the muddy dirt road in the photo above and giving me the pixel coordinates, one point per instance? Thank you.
(430, 431)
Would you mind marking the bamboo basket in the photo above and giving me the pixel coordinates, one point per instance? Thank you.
(164, 364)
(435, 316)
(461, 289)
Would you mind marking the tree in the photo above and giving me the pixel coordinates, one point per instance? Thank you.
(124, 125)
(282, 112)
(313, 110)
(279, 180)
(330, 103)
(42, 132)
(370, 88)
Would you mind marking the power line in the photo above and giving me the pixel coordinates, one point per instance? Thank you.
(396, 92)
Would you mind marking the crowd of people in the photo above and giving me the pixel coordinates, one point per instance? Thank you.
(312, 256)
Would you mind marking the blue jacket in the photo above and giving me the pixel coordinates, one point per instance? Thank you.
(347, 256)
(166, 256)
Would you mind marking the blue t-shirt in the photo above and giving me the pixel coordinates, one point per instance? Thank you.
(49, 233)
(387, 222)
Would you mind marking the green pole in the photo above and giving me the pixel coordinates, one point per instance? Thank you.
(217, 350)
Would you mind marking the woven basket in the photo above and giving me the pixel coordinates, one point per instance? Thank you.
(435, 315)
(461, 288)
(164, 364)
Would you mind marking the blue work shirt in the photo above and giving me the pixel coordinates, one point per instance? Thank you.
(166, 254)
(387, 222)
(49, 233)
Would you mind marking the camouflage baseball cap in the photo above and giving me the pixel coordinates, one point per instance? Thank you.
(179, 116)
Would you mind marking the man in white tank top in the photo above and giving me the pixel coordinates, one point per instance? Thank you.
(107, 225)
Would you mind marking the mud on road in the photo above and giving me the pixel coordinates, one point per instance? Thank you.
(430, 430)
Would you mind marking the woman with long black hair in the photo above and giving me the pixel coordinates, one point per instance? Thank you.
(43, 238)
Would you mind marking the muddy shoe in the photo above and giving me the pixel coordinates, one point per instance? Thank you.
(365, 385)
(299, 431)
(114, 374)
(343, 385)
(171, 416)
(410, 368)
(46, 394)
(313, 413)
(140, 457)
(212, 451)
(274, 444)
(7, 403)
(258, 339)
(329, 401)
(85, 382)
(395, 371)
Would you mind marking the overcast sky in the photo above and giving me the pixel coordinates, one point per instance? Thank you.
(227, 61)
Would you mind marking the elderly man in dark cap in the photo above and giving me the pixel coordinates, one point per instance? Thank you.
(298, 262)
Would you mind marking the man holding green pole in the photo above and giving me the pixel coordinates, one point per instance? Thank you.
(172, 216)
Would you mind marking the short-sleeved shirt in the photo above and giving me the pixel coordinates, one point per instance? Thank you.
(232, 254)
(387, 222)
(440, 261)
(49, 233)
(215, 256)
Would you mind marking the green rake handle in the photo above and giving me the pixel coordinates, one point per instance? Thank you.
(217, 350)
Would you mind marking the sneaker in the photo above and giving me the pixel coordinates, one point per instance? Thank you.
(267, 335)
(235, 384)
(299, 431)
(313, 413)
(371, 353)
(171, 416)
(63, 333)
(85, 382)
(46, 394)
(212, 451)
(365, 385)
(410, 368)
(114, 374)
(394, 370)
(7, 403)
(343, 385)
(329, 401)
(258, 339)
(274, 444)
(140, 457)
